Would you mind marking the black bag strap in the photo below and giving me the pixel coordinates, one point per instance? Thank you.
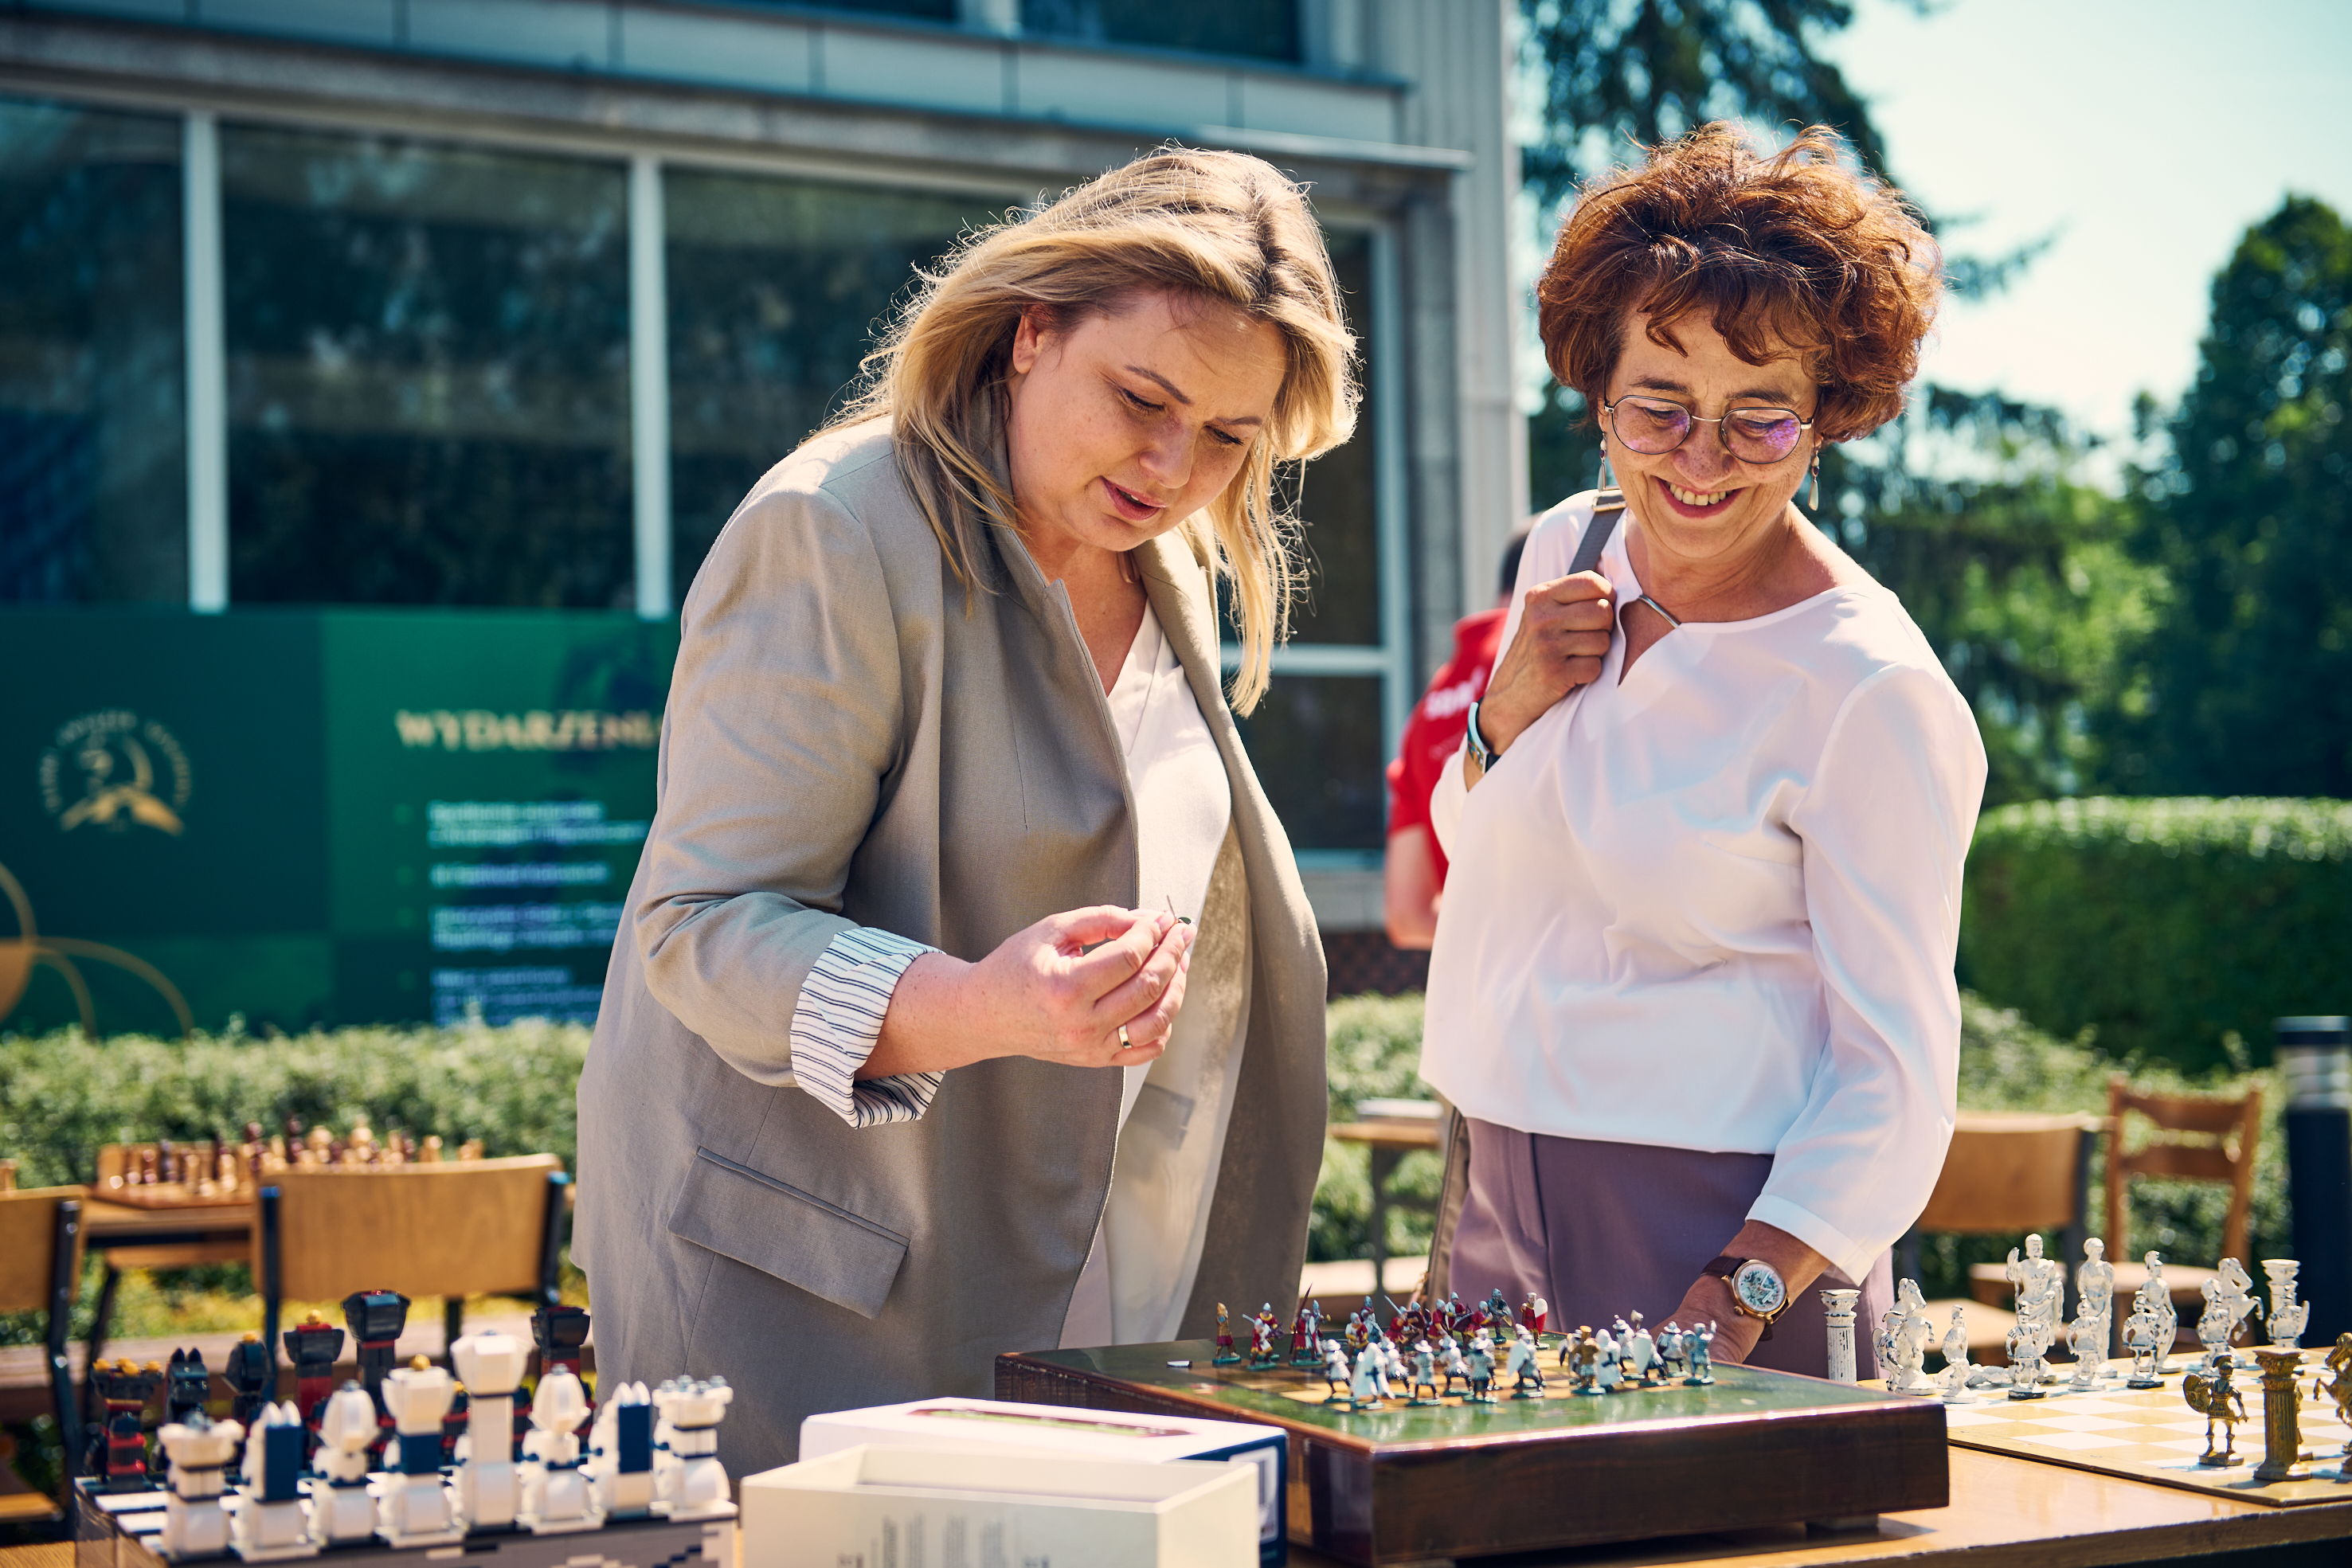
(1608, 505)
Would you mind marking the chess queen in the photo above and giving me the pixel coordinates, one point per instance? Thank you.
(1692, 988)
(967, 986)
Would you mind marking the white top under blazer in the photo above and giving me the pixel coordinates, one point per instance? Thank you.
(1715, 907)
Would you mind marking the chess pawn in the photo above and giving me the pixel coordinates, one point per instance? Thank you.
(2288, 1316)
(688, 1478)
(340, 1510)
(414, 1509)
(2087, 1338)
(488, 1485)
(1955, 1358)
(270, 1524)
(1837, 1311)
(554, 1493)
(621, 1454)
(199, 1451)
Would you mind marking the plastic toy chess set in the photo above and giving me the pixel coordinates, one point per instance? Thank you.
(410, 1465)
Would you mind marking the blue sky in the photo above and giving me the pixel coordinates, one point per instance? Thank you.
(2147, 136)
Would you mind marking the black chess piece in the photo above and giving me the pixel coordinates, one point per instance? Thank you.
(376, 1319)
(251, 1373)
(314, 1344)
(187, 1385)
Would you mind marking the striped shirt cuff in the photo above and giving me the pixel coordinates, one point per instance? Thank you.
(839, 1020)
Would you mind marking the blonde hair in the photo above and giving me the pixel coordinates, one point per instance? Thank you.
(1206, 227)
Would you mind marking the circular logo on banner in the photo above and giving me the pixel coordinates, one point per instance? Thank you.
(113, 769)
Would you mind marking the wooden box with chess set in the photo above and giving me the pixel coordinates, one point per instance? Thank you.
(1454, 1478)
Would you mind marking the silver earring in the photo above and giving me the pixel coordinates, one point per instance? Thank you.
(1813, 497)
(1604, 481)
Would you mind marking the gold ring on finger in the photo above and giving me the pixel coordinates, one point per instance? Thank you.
(1124, 1043)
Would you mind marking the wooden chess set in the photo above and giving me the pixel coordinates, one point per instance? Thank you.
(1458, 1477)
(222, 1170)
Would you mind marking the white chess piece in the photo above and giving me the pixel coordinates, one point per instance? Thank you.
(199, 1451)
(2094, 1290)
(341, 1508)
(2289, 1317)
(270, 1523)
(1837, 1316)
(688, 1480)
(1903, 1341)
(414, 1507)
(488, 1487)
(621, 1454)
(1955, 1376)
(554, 1493)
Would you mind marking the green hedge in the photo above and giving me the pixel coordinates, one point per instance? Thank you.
(2177, 929)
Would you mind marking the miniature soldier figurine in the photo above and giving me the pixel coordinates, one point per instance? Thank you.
(1674, 1359)
(341, 1508)
(688, 1477)
(1424, 1373)
(2289, 1317)
(1532, 1314)
(1642, 1359)
(1701, 1341)
(1335, 1375)
(200, 1452)
(1481, 1362)
(248, 1371)
(270, 1524)
(1262, 1331)
(621, 1454)
(1454, 1366)
(2211, 1394)
(487, 1487)
(2095, 1297)
(1302, 1336)
(554, 1493)
(1580, 1353)
(1527, 1374)
(414, 1509)
(1226, 1355)
(1367, 1386)
(1955, 1358)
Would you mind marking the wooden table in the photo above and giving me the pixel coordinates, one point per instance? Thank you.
(1389, 1141)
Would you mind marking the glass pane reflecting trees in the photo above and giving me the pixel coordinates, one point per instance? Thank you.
(777, 288)
(93, 431)
(428, 373)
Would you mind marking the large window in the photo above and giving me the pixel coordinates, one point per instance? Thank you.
(428, 393)
(776, 290)
(1259, 29)
(93, 432)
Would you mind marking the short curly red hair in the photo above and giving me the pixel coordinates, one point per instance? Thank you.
(1793, 251)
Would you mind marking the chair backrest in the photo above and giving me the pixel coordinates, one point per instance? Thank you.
(2193, 1142)
(28, 1228)
(2010, 1172)
(458, 1228)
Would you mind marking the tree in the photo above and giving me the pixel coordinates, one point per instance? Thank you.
(2243, 685)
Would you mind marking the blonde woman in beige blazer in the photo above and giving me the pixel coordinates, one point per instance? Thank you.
(946, 750)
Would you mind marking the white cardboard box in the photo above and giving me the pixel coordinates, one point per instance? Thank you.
(986, 1426)
(872, 1505)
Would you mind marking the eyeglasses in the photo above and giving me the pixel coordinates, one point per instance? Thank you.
(1653, 427)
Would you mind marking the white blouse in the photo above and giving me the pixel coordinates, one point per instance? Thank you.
(1147, 1252)
(1715, 907)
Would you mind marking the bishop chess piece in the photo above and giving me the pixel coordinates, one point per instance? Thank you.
(199, 1451)
(554, 1493)
(270, 1525)
(340, 1510)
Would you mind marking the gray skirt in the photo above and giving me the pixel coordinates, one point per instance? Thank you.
(1603, 1230)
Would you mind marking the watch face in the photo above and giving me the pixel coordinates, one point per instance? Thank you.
(1759, 1288)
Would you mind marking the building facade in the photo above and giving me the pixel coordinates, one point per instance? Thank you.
(501, 305)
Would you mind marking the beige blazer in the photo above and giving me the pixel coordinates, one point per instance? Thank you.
(852, 738)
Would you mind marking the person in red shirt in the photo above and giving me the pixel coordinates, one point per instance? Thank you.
(1415, 875)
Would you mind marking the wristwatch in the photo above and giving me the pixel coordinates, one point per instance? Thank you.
(1757, 1289)
(1480, 752)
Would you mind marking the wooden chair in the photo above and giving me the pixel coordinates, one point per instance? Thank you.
(40, 1269)
(455, 1229)
(2198, 1138)
(2006, 1172)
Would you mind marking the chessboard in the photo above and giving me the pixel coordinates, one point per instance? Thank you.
(1404, 1482)
(2152, 1434)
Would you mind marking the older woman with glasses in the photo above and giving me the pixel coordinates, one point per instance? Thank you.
(1692, 992)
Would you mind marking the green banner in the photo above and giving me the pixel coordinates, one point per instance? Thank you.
(320, 817)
